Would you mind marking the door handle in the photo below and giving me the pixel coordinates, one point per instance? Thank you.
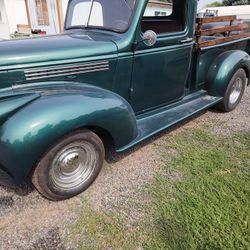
(187, 40)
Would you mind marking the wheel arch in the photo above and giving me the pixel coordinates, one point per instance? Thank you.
(247, 71)
(31, 130)
(105, 136)
(222, 70)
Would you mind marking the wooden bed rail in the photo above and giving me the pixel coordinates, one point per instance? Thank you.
(225, 31)
(221, 30)
(216, 19)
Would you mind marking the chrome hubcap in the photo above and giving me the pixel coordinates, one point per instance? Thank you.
(236, 91)
(73, 165)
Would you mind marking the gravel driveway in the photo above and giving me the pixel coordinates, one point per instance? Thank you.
(29, 221)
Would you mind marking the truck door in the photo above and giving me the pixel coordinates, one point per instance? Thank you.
(160, 72)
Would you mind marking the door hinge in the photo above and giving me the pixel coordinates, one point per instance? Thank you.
(131, 91)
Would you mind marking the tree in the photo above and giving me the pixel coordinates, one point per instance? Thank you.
(235, 2)
(215, 4)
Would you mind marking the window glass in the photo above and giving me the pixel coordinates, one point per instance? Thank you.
(101, 14)
(81, 14)
(159, 8)
(164, 16)
(42, 12)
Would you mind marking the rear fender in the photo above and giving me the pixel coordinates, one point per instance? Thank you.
(61, 108)
(222, 70)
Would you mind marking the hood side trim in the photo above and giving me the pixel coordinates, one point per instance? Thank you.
(49, 72)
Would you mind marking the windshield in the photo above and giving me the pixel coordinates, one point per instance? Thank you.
(102, 14)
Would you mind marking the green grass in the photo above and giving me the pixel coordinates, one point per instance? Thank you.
(208, 205)
(101, 230)
(200, 199)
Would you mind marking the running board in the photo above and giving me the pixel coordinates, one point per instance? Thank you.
(156, 121)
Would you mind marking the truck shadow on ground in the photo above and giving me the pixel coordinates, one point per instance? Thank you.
(10, 186)
(112, 156)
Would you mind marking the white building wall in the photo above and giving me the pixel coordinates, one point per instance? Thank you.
(16, 11)
(4, 25)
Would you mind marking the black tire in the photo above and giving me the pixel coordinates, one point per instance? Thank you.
(70, 166)
(227, 105)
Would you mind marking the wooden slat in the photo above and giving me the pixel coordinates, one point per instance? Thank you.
(216, 19)
(213, 31)
(60, 14)
(222, 40)
(28, 11)
(231, 24)
(198, 28)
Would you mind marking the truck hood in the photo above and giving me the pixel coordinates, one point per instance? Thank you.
(55, 49)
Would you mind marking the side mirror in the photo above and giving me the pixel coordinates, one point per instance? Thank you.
(149, 38)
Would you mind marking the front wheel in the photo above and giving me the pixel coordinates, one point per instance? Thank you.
(234, 92)
(70, 166)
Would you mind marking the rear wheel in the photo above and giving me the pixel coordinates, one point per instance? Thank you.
(234, 92)
(70, 166)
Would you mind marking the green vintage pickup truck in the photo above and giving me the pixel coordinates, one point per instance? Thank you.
(122, 70)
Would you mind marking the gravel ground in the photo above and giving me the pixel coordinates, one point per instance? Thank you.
(28, 221)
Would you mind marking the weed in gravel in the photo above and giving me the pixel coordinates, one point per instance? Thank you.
(52, 240)
(6, 202)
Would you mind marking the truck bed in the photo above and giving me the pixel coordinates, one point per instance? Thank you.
(218, 35)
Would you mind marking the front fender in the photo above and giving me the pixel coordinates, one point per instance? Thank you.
(223, 69)
(61, 108)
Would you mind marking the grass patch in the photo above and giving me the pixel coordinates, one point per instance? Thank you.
(101, 230)
(208, 206)
(199, 200)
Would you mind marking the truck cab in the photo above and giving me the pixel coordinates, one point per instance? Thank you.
(149, 67)
(122, 70)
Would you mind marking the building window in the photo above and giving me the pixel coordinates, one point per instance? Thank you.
(42, 12)
(159, 13)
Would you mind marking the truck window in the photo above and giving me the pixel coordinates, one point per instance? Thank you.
(164, 16)
(100, 14)
(81, 14)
